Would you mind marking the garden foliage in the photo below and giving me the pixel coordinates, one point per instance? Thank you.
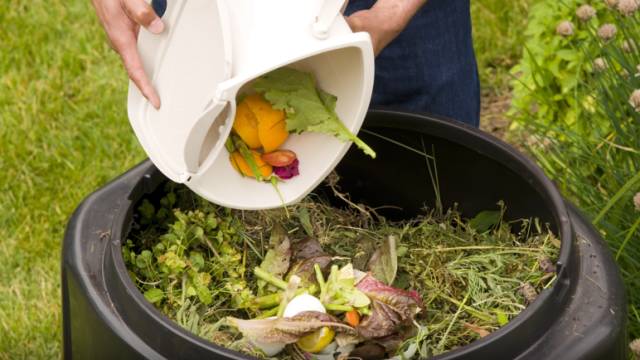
(576, 89)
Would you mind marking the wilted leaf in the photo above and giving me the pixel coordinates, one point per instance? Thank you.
(485, 220)
(528, 292)
(382, 321)
(147, 211)
(391, 308)
(306, 248)
(304, 268)
(305, 221)
(198, 232)
(287, 330)
(278, 235)
(204, 294)
(154, 295)
(384, 262)
(196, 260)
(394, 341)
(144, 259)
(174, 263)
(502, 318)
(276, 261)
(340, 288)
(407, 303)
(546, 264)
(482, 332)
(368, 350)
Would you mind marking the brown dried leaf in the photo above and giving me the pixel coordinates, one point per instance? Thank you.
(546, 264)
(528, 292)
(482, 332)
(306, 248)
(304, 268)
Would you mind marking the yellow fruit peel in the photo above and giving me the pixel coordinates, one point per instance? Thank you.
(317, 340)
(245, 125)
(271, 124)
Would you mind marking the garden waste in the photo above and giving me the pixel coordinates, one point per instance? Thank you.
(328, 281)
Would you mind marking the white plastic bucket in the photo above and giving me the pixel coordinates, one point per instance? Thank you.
(210, 52)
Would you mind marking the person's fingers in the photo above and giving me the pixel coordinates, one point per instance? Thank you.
(133, 64)
(143, 14)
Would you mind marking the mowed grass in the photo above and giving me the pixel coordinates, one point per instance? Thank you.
(64, 133)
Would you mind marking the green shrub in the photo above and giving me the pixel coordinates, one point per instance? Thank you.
(576, 93)
(552, 66)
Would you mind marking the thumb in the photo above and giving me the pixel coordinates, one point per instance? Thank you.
(143, 14)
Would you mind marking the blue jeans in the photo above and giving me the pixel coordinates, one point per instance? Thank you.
(430, 67)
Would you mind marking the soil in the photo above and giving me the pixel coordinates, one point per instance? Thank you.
(493, 113)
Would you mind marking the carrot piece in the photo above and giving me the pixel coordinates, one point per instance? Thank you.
(352, 317)
(240, 164)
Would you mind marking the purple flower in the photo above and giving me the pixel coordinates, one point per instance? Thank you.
(287, 172)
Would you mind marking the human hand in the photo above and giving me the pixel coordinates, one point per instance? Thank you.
(121, 20)
(384, 21)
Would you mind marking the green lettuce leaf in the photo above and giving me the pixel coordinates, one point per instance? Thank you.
(307, 107)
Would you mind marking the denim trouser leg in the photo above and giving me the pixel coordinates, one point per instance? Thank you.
(430, 67)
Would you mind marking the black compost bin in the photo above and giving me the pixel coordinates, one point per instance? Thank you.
(582, 316)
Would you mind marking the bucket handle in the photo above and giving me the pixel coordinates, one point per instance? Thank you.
(328, 12)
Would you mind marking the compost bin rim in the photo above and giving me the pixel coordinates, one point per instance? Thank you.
(451, 131)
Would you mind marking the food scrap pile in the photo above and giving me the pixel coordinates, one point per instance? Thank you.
(329, 283)
(285, 101)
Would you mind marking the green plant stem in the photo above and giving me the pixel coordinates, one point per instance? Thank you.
(268, 313)
(263, 275)
(395, 142)
(268, 301)
(468, 309)
(243, 149)
(289, 293)
(338, 307)
(453, 321)
(630, 234)
(271, 300)
(274, 182)
(623, 190)
(319, 277)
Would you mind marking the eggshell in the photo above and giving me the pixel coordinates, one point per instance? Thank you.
(301, 303)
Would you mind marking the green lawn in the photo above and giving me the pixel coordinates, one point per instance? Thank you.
(64, 133)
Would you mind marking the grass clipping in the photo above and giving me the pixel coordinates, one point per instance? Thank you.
(192, 259)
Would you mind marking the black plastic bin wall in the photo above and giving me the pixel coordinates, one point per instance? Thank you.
(582, 316)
